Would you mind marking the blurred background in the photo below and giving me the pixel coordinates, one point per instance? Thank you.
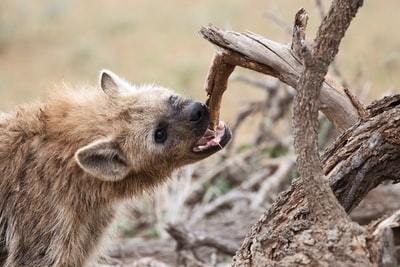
(48, 42)
(45, 42)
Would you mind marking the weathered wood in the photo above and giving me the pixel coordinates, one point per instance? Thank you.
(323, 205)
(255, 52)
(305, 226)
(188, 240)
(365, 155)
(360, 159)
(326, 232)
(216, 84)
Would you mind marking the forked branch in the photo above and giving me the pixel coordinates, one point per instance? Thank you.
(257, 53)
(322, 203)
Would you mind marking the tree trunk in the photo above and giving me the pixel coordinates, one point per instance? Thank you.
(306, 225)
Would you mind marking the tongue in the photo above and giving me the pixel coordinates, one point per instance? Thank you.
(210, 138)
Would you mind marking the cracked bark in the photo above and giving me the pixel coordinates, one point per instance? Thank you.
(306, 225)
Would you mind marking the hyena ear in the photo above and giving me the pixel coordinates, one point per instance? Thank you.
(112, 84)
(104, 160)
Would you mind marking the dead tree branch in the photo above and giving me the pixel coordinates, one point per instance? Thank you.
(285, 234)
(305, 226)
(365, 155)
(216, 84)
(257, 53)
(322, 203)
(188, 240)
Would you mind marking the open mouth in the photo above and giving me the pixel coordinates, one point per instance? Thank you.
(213, 141)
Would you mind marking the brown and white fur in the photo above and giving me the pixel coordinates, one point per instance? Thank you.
(68, 163)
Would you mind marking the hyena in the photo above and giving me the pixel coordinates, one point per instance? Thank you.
(67, 164)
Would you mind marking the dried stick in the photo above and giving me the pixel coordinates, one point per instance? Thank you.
(257, 53)
(190, 240)
(362, 112)
(216, 84)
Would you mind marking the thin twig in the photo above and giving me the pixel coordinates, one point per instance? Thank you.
(363, 113)
(188, 240)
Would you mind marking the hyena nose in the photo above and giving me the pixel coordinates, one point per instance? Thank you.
(197, 112)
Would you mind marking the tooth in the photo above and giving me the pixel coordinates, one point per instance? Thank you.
(220, 125)
(201, 148)
(215, 142)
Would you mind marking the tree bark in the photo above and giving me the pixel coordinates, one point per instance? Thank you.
(360, 159)
(260, 54)
(306, 225)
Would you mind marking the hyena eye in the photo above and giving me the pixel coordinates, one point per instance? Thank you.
(172, 99)
(160, 136)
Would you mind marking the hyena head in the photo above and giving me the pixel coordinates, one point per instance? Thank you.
(152, 131)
